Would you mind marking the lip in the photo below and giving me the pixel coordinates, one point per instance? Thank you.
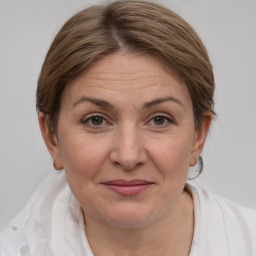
(128, 187)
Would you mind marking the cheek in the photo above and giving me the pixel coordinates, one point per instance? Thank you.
(83, 156)
(172, 156)
(83, 160)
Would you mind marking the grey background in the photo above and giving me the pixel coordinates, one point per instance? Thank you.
(228, 31)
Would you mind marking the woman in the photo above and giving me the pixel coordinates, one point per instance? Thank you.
(125, 102)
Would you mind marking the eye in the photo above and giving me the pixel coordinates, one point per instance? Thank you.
(160, 120)
(95, 121)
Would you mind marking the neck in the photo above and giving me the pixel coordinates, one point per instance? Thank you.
(171, 234)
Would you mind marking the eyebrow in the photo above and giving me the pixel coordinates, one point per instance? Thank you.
(105, 104)
(98, 102)
(162, 100)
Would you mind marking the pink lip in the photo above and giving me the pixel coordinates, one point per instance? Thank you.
(128, 188)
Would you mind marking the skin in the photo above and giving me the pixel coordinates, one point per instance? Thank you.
(132, 135)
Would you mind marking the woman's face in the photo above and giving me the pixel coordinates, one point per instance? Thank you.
(126, 139)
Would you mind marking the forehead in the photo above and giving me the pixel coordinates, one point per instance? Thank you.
(127, 67)
(125, 75)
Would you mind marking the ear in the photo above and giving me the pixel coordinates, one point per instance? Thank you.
(200, 138)
(51, 141)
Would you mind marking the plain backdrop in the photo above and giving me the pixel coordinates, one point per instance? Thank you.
(226, 27)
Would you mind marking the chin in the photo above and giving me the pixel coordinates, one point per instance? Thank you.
(129, 217)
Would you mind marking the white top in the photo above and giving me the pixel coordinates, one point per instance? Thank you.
(51, 224)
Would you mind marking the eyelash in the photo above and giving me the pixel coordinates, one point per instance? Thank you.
(167, 121)
(90, 119)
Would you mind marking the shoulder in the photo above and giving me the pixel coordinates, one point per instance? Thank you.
(223, 224)
(32, 227)
(231, 212)
(13, 238)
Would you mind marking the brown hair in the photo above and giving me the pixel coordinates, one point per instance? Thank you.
(133, 25)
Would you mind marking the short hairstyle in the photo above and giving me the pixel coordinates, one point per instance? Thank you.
(135, 26)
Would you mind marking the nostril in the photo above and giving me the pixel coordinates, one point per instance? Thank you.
(128, 166)
(116, 164)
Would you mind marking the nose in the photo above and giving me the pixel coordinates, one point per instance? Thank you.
(128, 150)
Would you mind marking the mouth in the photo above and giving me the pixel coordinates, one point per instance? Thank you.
(129, 188)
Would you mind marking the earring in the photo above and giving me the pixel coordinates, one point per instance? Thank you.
(194, 161)
(196, 171)
(57, 166)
